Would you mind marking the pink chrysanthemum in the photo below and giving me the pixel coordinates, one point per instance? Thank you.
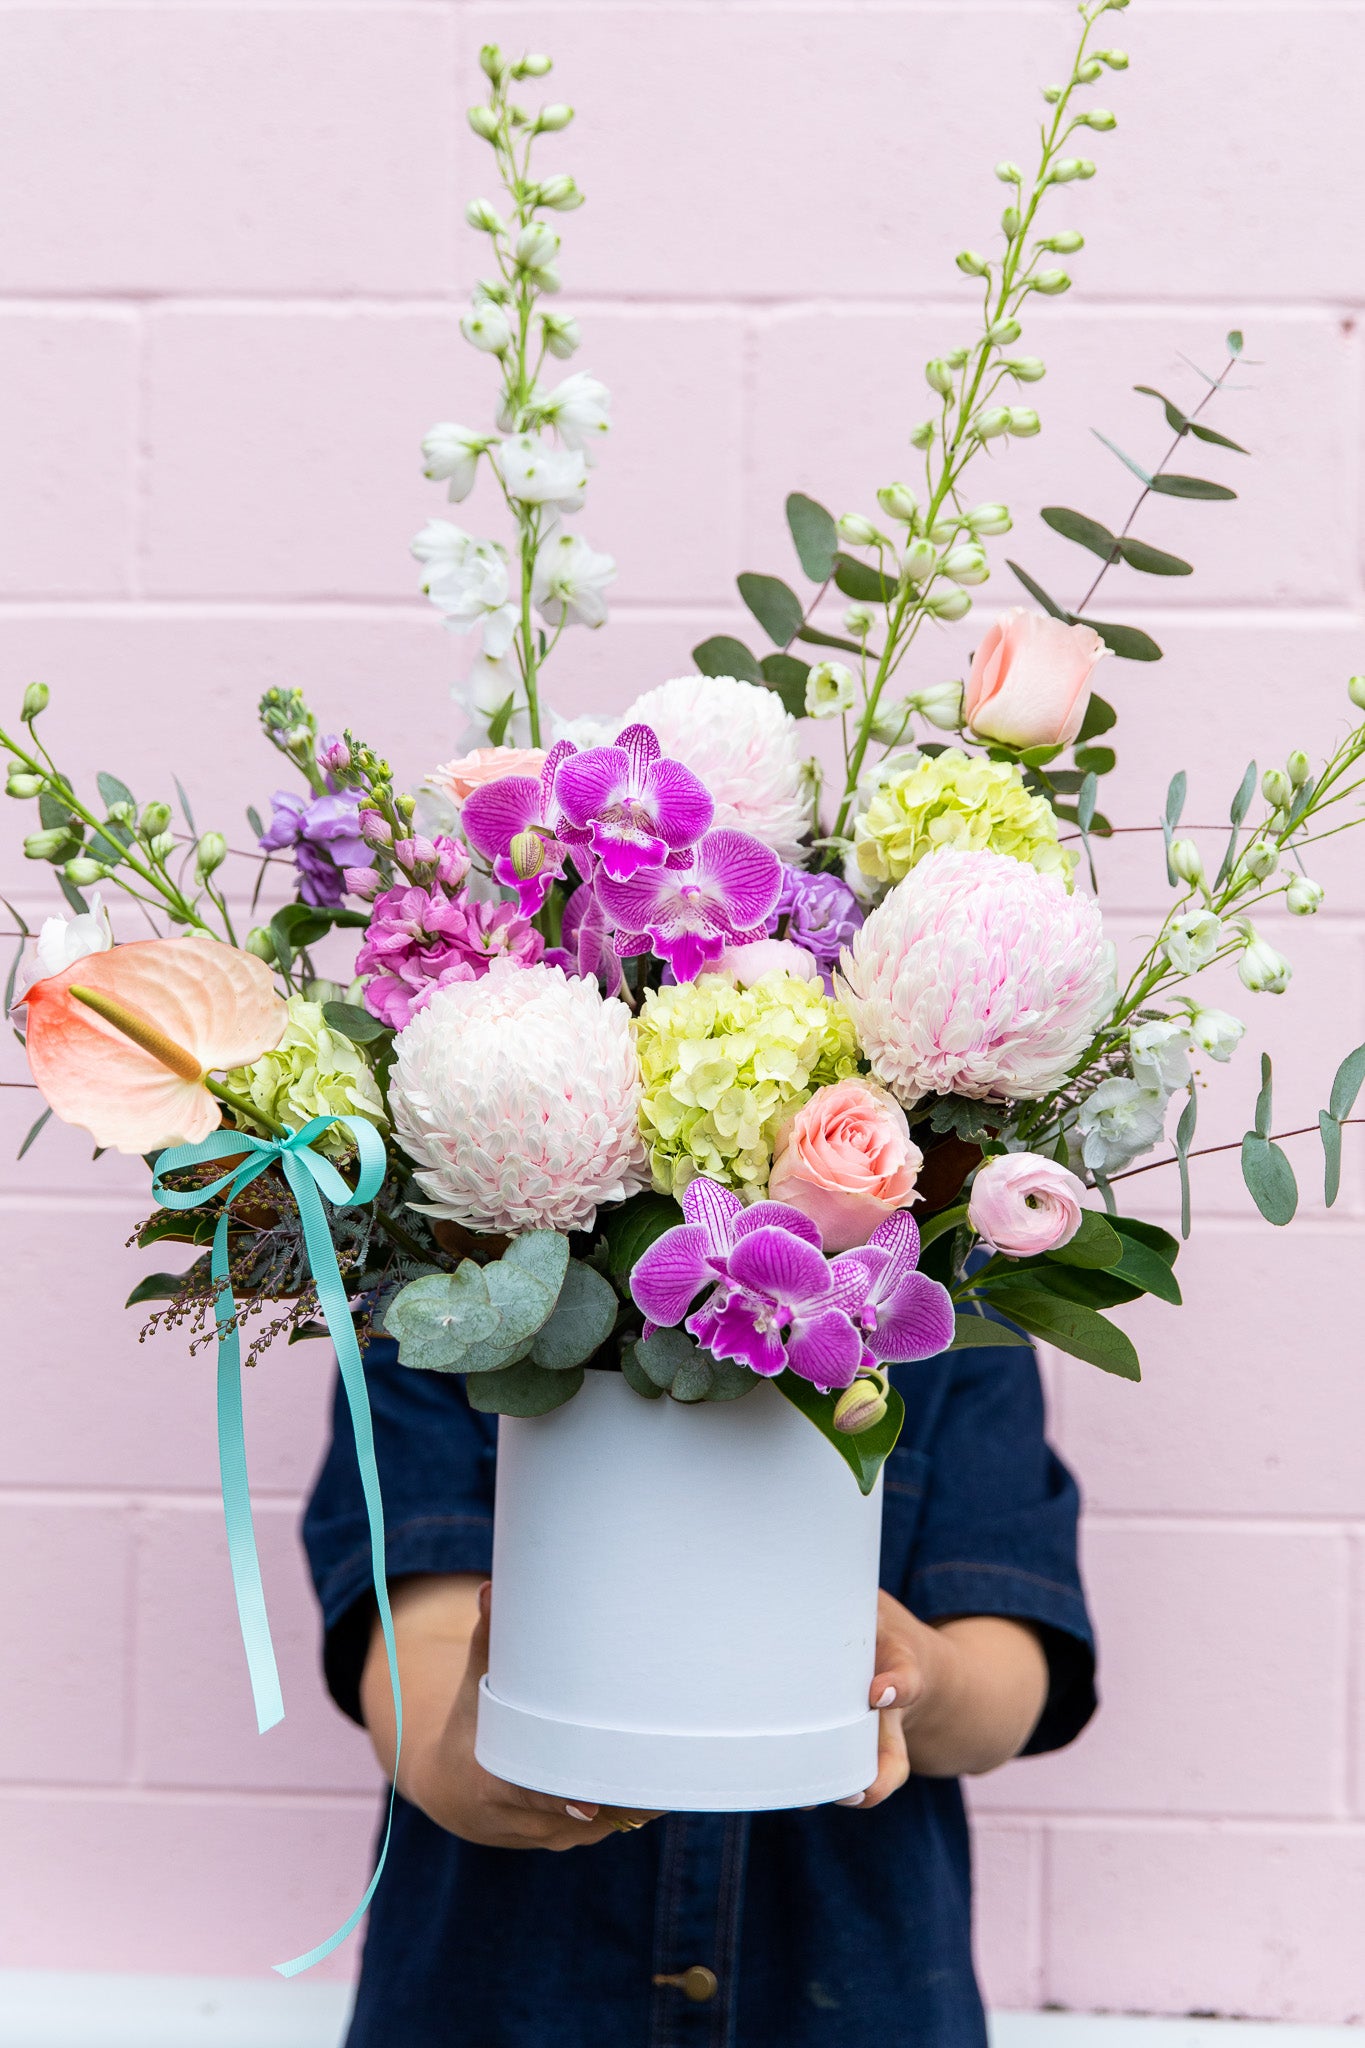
(518, 1097)
(977, 976)
(744, 746)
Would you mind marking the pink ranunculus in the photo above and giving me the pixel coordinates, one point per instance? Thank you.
(750, 963)
(486, 764)
(1030, 680)
(847, 1161)
(1022, 1204)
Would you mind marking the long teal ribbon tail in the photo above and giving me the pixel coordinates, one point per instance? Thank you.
(310, 1176)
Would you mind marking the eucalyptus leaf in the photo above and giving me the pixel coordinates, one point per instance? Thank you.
(1173, 486)
(1176, 791)
(1217, 440)
(583, 1317)
(1235, 343)
(73, 896)
(662, 1356)
(692, 1380)
(501, 719)
(1153, 561)
(112, 791)
(1086, 532)
(635, 1376)
(1085, 802)
(1175, 418)
(184, 804)
(864, 1454)
(815, 638)
(1143, 475)
(1270, 1179)
(1331, 1150)
(1129, 643)
(350, 1021)
(253, 818)
(778, 610)
(982, 1333)
(1346, 1084)
(725, 656)
(786, 677)
(1096, 760)
(33, 1132)
(439, 1318)
(863, 584)
(815, 535)
(523, 1389)
(1184, 1135)
(1038, 594)
(1265, 1100)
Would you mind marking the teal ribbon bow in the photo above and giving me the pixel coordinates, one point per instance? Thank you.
(310, 1178)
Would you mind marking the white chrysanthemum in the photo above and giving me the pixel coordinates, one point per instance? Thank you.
(518, 1097)
(743, 745)
(978, 976)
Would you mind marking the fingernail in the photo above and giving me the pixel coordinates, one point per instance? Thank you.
(887, 1698)
(577, 1813)
(854, 1799)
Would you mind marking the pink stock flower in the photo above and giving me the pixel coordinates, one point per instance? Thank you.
(977, 976)
(484, 765)
(1022, 1204)
(688, 916)
(633, 808)
(1030, 680)
(846, 1159)
(420, 940)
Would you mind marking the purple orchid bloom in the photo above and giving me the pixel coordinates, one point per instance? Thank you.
(688, 916)
(524, 809)
(324, 832)
(775, 1301)
(630, 806)
(585, 947)
(902, 1313)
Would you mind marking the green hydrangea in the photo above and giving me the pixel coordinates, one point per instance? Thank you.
(961, 801)
(723, 1065)
(313, 1071)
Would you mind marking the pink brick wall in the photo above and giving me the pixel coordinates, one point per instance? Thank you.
(231, 264)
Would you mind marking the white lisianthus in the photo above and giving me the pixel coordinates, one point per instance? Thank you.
(1159, 1051)
(1118, 1122)
(941, 704)
(485, 326)
(1217, 1033)
(830, 690)
(570, 578)
(64, 940)
(579, 410)
(453, 453)
(536, 474)
(1192, 940)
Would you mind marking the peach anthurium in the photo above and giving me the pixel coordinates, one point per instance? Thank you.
(121, 1042)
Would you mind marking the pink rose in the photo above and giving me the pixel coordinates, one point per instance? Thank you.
(485, 764)
(750, 963)
(846, 1159)
(1022, 1204)
(1030, 680)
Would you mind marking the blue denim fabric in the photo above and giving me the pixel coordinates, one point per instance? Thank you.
(824, 1929)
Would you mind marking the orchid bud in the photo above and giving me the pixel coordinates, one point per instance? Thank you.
(922, 436)
(260, 944)
(155, 818)
(1264, 970)
(551, 119)
(527, 855)
(562, 335)
(1003, 333)
(1187, 862)
(1259, 860)
(938, 376)
(1277, 789)
(1009, 173)
(861, 1406)
(941, 704)
(210, 853)
(857, 531)
(483, 215)
(561, 193)
(532, 67)
(82, 871)
(949, 604)
(995, 420)
(919, 561)
(971, 264)
(967, 565)
(1355, 690)
(1303, 896)
(898, 502)
(1024, 422)
(21, 784)
(42, 845)
(989, 519)
(486, 328)
(859, 620)
(830, 690)
(1064, 243)
(1027, 369)
(1298, 767)
(375, 830)
(484, 122)
(1050, 283)
(1100, 119)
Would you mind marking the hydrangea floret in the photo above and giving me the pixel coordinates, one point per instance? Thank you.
(313, 1071)
(960, 802)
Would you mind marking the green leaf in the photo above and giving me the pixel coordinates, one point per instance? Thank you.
(1038, 594)
(439, 1318)
(112, 791)
(1151, 1234)
(1217, 440)
(815, 535)
(1087, 533)
(1092, 1287)
(253, 818)
(863, 584)
(1331, 1149)
(865, 1454)
(1096, 760)
(1235, 342)
(1175, 418)
(156, 1287)
(785, 676)
(1129, 643)
(1099, 717)
(1085, 805)
(1173, 486)
(778, 610)
(723, 655)
(1184, 1134)
(1095, 1243)
(350, 1021)
(171, 1227)
(1246, 790)
(662, 1356)
(1070, 1326)
(523, 1389)
(631, 1228)
(34, 1129)
(501, 719)
(635, 1376)
(73, 896)
(1143, 476)
(935, 1226)
(1153, 561)
(1346, 1084)
(185, 804)
(1176, 792)
(815, 638)
(1264, 1117)
(1144, 1268)
(1269, 1178)
(581, 1321)
(1100, 826)
(980, 1333)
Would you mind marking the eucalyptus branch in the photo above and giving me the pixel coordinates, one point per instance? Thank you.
(1206, 1151)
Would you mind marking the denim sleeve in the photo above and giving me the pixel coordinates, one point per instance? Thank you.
(997, 1530)
(436, 1459)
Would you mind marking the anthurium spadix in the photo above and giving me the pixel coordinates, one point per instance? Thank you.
(122, 1042)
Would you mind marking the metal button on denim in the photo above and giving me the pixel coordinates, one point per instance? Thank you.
(698, 1983)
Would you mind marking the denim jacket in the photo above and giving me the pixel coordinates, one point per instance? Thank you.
(818, 1930)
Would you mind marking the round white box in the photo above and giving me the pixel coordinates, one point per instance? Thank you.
(684, 1606)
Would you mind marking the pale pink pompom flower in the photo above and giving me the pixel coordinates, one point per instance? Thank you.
(517, 1097)
(977, 976)
(1023, 1204)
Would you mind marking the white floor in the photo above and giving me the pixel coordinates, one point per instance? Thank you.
(43, 2009)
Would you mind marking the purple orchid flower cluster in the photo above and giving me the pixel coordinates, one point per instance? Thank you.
(656, 878)
(776, 1303)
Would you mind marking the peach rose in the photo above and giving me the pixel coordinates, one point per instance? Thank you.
(846, 1159)
(1030, 680)
(485, 764)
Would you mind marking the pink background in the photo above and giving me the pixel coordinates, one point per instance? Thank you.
(232, 260)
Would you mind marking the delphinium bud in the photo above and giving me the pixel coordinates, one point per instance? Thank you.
(938, 376)
(154, 820)
(919, 561)
(1011, 220)
(1277, 789)
(956, 358)
(967, 565)
(857, 531)
(922, 436)
(995, 420)
(484, 122)
(533, 66)
(492, 63)
(42, 845)
(971, 264)
(941, 704)
(1003, 333)
(36, 699)
(552, 118)
(1068, 168)
(1355, 690)
(162, 847)
(1024, 422)
(1064, 243)
(859, 620)
(1089, 71)
(1050, 283)
(898, 502)
(1009, 173)
(486, 327)
(483, 215)
(1298, 767)
(944, 530)
(1258, 859)
(1303, 896)
(259, 942)
(1187, 862)
(988, 519)
(1052, 93)
(210, 853)
(1100, 119)
(1026, 369)
(949, 604)
(1117, 60)
(82, 871)
(535, 247)
(21, 784)
(562, 335)
(561, 193)
(1263, 969)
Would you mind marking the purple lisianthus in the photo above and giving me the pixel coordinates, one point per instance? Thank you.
(324, 832)
(822, 914)
(421, 939)
(516, 824)
(689, 915)
(629, 805)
